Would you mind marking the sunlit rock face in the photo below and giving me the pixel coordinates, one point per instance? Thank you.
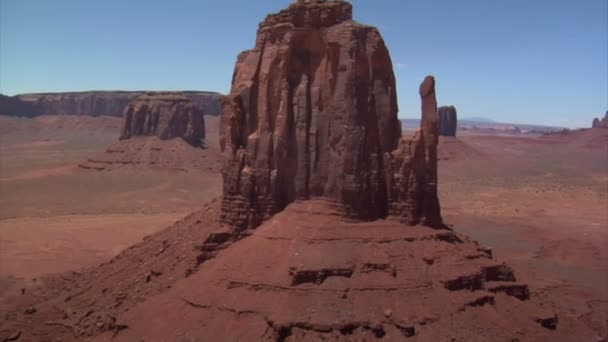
(313, 113)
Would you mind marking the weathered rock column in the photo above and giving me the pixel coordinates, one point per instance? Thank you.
(412, 168)
(430, 211)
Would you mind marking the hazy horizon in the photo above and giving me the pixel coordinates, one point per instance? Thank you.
(519, 62)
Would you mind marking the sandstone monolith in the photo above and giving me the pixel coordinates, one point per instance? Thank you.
(313, 113)
(448, 121)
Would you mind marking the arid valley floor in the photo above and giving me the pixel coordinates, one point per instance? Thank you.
(374, 172)
(539, 202)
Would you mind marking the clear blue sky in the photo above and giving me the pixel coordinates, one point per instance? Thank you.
(524, 61)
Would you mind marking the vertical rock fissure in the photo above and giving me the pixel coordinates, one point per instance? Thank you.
(308, 134)
(251, 120)
(292, 144)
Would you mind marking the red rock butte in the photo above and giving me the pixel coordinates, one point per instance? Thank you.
(166, 116)
(600, 122)
(313, 113)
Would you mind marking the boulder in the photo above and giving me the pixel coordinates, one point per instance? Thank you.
(312, 112)
(448, 121)
(166, 116)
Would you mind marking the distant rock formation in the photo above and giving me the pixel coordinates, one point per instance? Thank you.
(12, 105)
(601, 123)
(166, 116)
(448, 121)
(313, 113)
(96, 103)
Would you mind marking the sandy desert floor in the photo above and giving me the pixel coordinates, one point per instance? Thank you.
(540, 203)
(56, 217)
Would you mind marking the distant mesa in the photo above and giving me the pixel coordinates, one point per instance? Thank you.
(601, 123)
(324, 124)
(166, 116)
(11, 105)
(93, 103)
(160, 131)
(448, 121)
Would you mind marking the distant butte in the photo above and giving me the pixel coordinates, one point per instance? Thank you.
(601, 123)
(166, 116)
(448, 121)
(93, 103)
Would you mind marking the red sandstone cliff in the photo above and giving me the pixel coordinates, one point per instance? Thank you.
(313, 113)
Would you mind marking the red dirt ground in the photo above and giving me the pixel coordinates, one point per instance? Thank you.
(540, 203)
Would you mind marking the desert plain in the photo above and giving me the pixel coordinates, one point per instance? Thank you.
(307, 210)
(539, 202)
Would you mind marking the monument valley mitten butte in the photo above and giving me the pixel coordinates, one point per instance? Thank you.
(312, 113)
